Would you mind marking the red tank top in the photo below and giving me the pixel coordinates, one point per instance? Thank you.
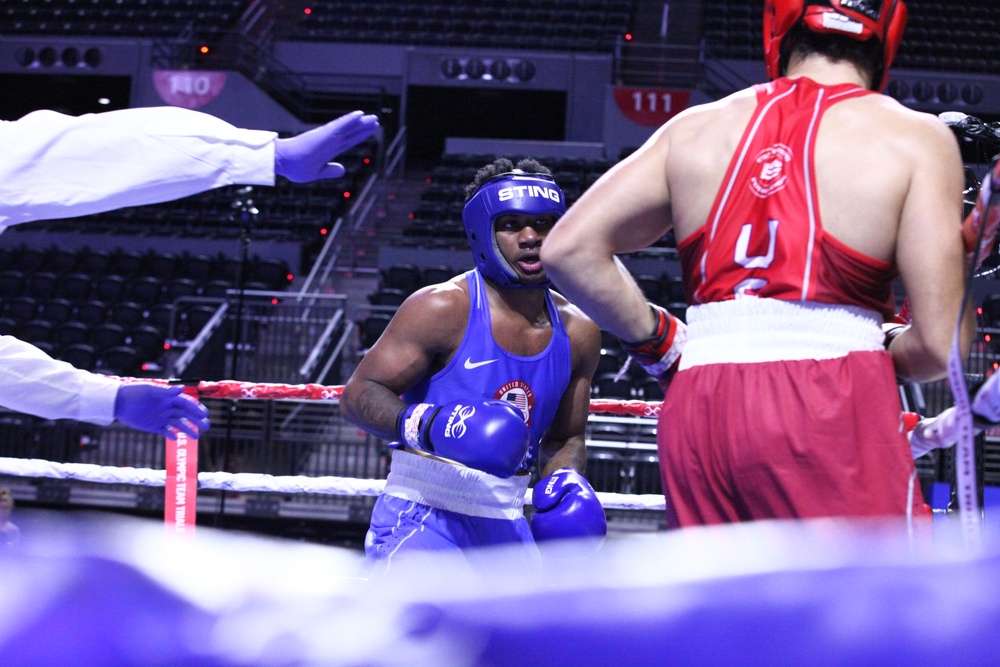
(764, 236)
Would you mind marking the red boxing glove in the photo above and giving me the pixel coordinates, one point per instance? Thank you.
(660, 354)
(985, 216)
(905, 315)
(892, 329)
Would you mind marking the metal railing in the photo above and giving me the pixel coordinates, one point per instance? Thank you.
(278, 337)
(660, 64)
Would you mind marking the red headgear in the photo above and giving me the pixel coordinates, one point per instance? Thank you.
(858, 19)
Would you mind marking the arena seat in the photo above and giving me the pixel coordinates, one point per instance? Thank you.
(371, 329)
(404, 277)
(94, 262)
(148, 340)
(649, 389)
(127, 314)
(218, 287)
(272, 272)
(70, 333)
(80, 355)
(197, 267)
(651, 286)
(127, 263)
(57, 310)
(991, 311)
(107, 335)
(179, 287)
(123, 360)
(21, 309)
(387, 296)
(92, 312)
(35, 331)
(610, 361)
(41, 285)
(194, 318)
(437, 273)
(162, 265)
(28, 260)
(109, 288)
(606, 385)
(145, 290)
(11, 282)
(74, 286)
(61, 260)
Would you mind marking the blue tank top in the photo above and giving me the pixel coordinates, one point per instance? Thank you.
(482, 369)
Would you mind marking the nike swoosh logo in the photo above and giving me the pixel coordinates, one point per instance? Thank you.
(470, 364)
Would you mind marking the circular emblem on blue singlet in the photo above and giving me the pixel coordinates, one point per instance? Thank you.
(519, 393)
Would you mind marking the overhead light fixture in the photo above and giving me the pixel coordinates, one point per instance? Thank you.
(48, 56)
(512, 70)
(525, 70)
(475, 68)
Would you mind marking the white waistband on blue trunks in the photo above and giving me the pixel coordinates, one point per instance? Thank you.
(455, 488)
(751, 330)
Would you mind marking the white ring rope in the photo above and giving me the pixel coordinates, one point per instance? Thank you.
(249, 482)
(244, 482)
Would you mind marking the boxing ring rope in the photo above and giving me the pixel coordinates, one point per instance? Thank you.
(288, 484)
(255, 482)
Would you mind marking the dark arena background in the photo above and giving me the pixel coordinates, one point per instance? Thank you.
(291, 285)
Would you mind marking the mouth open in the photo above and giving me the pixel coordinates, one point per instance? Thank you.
(530, 264)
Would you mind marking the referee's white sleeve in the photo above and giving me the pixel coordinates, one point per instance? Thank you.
(57, 166)
(34, 383)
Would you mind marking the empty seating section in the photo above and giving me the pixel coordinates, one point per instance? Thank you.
(117, 18)
(939, 35)
(563, 25)
(733, 29)
(951, 36)
(114, 312)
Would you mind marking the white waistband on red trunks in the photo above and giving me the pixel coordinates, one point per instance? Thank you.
(455, 488)
(751, 330)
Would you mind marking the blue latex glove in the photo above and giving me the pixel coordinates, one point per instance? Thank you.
(159, 409)
(307, 156)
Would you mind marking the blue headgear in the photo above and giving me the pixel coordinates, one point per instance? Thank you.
(515, 192)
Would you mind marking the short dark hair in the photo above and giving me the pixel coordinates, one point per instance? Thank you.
(503, 165)
(868, 56)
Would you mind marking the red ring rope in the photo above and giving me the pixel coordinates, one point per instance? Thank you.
(235, 390)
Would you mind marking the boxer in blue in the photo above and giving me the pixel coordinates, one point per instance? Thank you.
(494, 371)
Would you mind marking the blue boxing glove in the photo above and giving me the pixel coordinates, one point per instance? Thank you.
(566, 507)
(158, 409)
(307, 156)
(488, 435)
